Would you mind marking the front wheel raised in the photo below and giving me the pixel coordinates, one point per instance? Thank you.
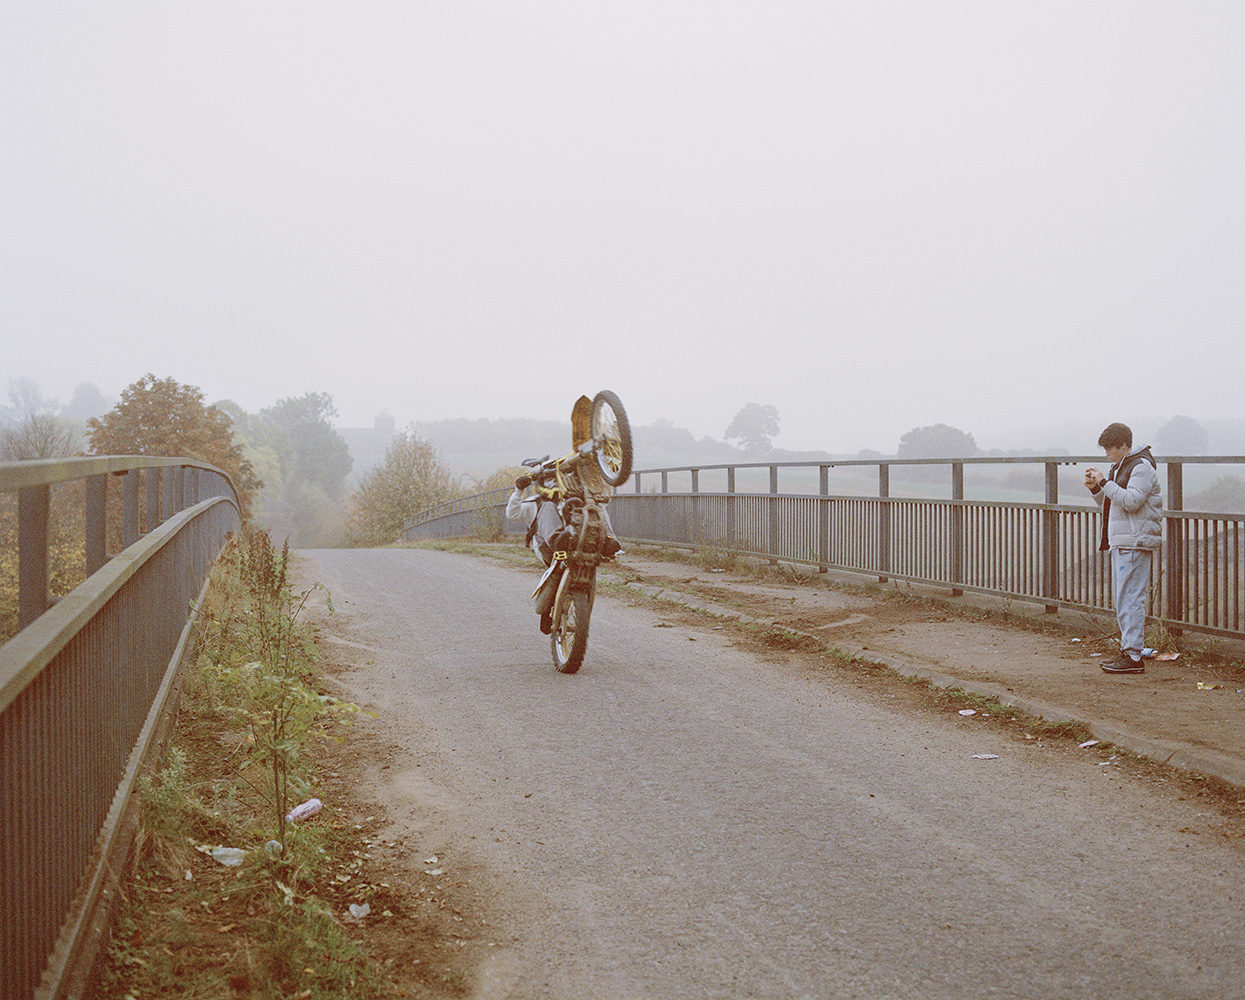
(569, 637)
(611, 437)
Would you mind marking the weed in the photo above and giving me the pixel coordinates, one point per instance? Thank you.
(269, 697)
(188, 926)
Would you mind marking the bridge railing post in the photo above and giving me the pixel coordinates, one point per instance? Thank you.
(957, 527)
(129, 508)
(823, 519)
(151, 479)
(1050, 540)
(884, 522)
(1174, 558)
(96, 522)
(33, 504)
(772, 543)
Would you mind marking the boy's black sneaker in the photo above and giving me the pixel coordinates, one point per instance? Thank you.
(1124, 664)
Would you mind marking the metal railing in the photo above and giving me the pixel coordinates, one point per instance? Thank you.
(914, 520)
(83, 682)
(480, 514)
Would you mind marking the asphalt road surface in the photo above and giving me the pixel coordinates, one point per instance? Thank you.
(685, 818)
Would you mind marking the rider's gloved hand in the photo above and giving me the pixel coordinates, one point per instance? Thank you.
(523, 482)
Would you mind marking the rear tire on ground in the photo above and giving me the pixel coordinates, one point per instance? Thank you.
(611, 437)
(569, 638)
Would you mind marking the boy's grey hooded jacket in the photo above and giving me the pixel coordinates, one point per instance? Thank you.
(1132, 504)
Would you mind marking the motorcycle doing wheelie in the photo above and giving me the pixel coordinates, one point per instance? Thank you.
(581, 484)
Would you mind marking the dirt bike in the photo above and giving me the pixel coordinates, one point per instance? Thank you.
(581, 484)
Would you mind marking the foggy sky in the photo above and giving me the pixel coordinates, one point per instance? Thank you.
(871, 215)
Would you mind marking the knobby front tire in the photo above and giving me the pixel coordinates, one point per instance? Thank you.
(611, 437)
(569, 638)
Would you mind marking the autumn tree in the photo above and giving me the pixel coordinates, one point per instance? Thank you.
(410, 479)
(936, 441)
(163, 417)
(754, 426)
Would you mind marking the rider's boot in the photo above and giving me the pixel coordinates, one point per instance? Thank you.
(546, 622)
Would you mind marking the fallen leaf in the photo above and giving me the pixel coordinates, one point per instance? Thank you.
(968, 711)
(1088, 743)
(985, 756)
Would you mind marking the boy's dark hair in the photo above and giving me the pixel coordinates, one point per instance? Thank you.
(1115, 436)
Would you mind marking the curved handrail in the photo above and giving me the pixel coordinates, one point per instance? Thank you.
(48, 471)
(173, 484)
(31, 649)
(83, 680)
(835, 463)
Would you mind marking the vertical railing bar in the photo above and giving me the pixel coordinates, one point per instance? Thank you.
(129, 508)
(1205, 571)
(167, 482)
(95, 520)
(772, 541)
(884, 521)
(33, 505)
(823, 519)
(151, 477)
(1174, 556)
(1050, 537)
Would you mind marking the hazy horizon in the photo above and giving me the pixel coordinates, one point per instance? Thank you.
(872, 217)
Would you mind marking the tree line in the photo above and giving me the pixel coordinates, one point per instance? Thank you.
(288, 463)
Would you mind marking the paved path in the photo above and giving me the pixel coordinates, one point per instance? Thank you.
(1188, 713)
(683, 819)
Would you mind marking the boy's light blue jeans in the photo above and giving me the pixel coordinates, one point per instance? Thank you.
(1130, 574)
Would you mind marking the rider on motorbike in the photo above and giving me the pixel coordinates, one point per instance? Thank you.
(544, 522)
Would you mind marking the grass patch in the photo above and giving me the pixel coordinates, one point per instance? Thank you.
(251, 719)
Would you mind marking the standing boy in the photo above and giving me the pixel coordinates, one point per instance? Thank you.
(1132, 529)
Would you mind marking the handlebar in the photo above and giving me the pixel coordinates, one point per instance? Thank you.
(548, 467)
